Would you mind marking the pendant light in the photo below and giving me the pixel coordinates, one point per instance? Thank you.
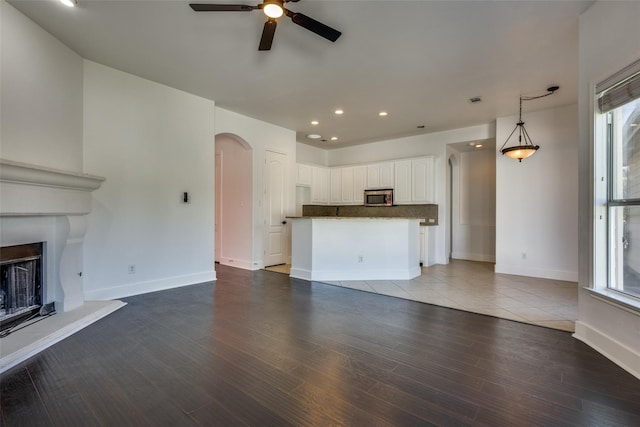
(525, 146)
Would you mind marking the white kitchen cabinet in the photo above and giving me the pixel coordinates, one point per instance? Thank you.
(411, 179)
(335, 185)
(424, 246)
(342, 188)
(303, 176)
(359, 184)
(422, 180)
(319, 185)
(346, 187)
(414, 181)
(380, 175)
(402, 190)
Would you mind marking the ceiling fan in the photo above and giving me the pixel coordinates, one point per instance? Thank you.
(273, 9)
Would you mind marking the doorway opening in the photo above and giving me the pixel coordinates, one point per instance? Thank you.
(233, 201)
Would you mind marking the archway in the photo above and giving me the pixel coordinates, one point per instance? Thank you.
(233, 201)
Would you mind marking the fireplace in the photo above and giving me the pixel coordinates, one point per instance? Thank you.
(43, 213)
(20, 283)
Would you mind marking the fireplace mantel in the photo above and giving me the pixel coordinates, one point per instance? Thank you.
(33, 190)
(41, 204)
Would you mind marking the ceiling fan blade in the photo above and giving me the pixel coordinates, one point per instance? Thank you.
(207, 7)
(312, 25)
(267, 34)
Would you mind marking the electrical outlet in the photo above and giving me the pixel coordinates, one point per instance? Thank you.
(131, 269)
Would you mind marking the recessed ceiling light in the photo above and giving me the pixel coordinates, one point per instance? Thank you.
(382, 113)
(69, 3)
(633, 125)
(314, 136)
(339, 112)
(334, 138)
(478, 145)
(314, 122)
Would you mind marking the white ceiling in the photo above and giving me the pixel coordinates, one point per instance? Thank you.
(420, 61)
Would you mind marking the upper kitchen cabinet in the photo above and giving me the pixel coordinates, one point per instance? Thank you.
(319, 185)
(359, 183)
(414, 181)
(347, 185)
(335, 185)
(380, 175)
(303, 175)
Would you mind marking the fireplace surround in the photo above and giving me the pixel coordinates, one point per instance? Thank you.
(41, 204)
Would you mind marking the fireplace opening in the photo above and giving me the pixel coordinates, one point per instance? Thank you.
(20, 283)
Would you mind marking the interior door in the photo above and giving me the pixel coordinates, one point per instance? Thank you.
(275, 178)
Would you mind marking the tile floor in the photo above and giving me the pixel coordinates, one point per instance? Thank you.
(473, 286)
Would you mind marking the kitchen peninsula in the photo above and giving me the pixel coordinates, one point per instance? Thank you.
(331, 243)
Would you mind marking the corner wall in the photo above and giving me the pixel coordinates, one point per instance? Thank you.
(151, 143)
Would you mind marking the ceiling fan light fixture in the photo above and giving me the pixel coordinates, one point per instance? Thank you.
(273, 9)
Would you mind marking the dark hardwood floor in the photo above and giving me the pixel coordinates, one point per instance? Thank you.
(258, 348)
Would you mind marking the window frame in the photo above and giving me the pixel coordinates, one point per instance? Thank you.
(604, 202)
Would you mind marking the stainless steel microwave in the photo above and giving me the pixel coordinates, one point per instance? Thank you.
(383, 197)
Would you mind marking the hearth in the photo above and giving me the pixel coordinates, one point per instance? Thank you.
(21, 286)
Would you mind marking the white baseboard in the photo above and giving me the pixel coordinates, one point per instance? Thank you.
(240, 263)
(299, 273)
(473, 257)
(138, 288)
(569, 276)
(618, 353)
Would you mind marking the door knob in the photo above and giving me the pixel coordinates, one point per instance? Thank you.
(284, 222)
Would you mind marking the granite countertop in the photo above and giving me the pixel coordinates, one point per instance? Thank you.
(426, 212)
(423, 221)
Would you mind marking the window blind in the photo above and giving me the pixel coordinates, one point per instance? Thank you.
(619, 89)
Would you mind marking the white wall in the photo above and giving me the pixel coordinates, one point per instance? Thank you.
(537, 199)
(261, 136)
(151, 143)
(236, 202)
(609, 34)
(41, 102)
(311, 155)
(474, 206)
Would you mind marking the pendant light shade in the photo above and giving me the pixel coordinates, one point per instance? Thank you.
(525, 147)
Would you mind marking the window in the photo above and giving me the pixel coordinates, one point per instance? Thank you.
(618, 141)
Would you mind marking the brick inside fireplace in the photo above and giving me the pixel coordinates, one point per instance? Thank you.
(21, 284)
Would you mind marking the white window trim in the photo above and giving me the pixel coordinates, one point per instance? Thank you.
(599, 287)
